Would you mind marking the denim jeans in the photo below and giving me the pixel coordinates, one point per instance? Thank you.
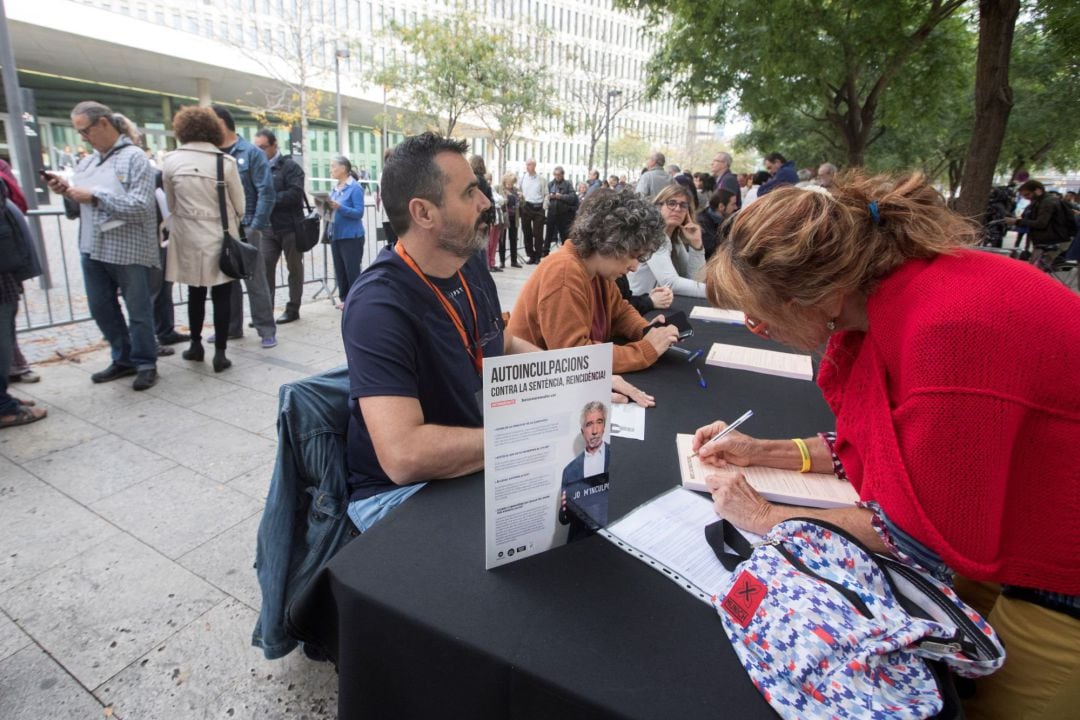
(365, 513)
(348, 257)
(7, 343)
(305, 520)
(133, 342)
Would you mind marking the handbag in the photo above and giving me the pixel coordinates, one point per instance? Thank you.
(308, 229)
(827, 629)
(238, 258)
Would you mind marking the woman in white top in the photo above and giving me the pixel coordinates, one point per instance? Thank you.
(682, 255)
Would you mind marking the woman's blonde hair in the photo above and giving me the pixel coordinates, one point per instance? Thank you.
(512, 177)
(794, 247)
(671, 191)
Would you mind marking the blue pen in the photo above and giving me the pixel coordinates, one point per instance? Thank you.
(701, 380)
(694, 356)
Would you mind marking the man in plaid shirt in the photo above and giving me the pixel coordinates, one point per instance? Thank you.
(113, 194)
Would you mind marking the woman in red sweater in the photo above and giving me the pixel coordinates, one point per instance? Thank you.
(965, 461)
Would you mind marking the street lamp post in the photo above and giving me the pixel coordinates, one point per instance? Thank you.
(343, 132)
(607, 126)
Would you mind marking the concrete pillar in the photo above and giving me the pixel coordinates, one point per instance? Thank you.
(343, 133)
(202, 91)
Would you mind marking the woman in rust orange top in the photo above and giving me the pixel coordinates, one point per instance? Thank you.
(572, 299)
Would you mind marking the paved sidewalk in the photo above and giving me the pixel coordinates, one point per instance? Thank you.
(128, 522)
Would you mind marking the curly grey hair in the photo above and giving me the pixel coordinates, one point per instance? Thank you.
(617, 223)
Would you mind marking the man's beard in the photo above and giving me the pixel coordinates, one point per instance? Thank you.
(462, 241)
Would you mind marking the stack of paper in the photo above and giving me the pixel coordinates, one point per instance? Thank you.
(769, 362)
(711, 314)
(783, 486)
(668, 533)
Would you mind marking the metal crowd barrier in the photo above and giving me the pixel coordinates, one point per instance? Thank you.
(58, 298)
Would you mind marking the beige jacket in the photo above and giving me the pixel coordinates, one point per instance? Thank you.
(190, 177)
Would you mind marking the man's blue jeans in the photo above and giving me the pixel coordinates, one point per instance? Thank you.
(133, 342)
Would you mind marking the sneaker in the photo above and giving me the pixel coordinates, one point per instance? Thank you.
(165, 351)
(113, 372)
(269, 342)
(145, 379)
(24, 377)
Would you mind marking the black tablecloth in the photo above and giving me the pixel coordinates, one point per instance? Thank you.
(419, 628)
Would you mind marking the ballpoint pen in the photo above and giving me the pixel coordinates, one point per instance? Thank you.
(701, 380)
(742, 418)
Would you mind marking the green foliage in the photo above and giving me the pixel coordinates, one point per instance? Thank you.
(518, 93)
(628, 153)
(456, 62)
(814, 76)
(1045, 79)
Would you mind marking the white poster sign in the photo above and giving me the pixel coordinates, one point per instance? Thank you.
(546, 449)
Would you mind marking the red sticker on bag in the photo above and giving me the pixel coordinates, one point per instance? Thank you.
(744, 597)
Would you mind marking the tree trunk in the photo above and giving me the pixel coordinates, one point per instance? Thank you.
(993, 102)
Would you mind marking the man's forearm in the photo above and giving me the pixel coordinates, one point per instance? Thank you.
(434, 452)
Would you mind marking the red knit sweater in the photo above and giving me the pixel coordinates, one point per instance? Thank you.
(958, 411)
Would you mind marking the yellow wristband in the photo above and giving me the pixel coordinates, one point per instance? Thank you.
(804, 452)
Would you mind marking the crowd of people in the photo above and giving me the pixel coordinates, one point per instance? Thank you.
(963, 465)
(956, 457)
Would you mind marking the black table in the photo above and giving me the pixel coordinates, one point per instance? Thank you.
(419, 628)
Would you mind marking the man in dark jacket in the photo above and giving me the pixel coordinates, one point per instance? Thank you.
(1044, 218)
(562, 207)
(782, 170)
(286, 216)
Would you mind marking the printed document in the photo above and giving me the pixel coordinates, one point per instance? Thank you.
(547, 435)
(668, 533)
(711, 314)
(769, 362)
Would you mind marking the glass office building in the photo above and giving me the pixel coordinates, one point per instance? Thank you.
(182, 51)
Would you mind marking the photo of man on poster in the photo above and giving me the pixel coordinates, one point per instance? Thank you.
(583, 504)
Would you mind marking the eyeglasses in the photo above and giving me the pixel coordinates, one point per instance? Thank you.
(676, 205)
(757, 327)
(85, 132)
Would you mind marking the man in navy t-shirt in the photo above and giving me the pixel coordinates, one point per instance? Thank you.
(417, 325)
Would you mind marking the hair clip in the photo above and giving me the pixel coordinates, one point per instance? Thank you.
(874, 213)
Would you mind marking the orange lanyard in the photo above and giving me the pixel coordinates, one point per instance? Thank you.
(477, 356)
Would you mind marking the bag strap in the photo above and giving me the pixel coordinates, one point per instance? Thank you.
(221, 192)
(721, 533)
(307, 205)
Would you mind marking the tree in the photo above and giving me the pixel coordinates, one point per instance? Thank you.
(830, 61)
(456, 61)
(1046, 88)
(993, 101)
(590, 90)
(628, 152)
(519, 94)
(289, 52)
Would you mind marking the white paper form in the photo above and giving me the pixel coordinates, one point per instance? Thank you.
(711, 314)
(668, 533)
(784, 486)
(769, 362)
(628, 420)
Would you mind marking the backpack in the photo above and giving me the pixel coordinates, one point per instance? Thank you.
(1069, 220)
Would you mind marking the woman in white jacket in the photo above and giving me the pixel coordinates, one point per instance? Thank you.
(682, 255)
(196, 237)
